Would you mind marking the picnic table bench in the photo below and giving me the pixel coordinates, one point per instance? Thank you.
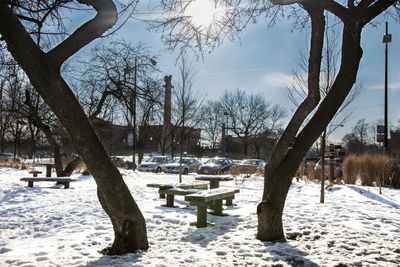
(163, 187)
(171, 192)
(212, 197)
(60, 180)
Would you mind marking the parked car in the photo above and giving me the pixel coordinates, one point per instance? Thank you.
(4, 157)
(217, 165)
(188, 165)
(251, 165)
(154, 164)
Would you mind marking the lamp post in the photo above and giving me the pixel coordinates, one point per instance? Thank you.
(133, 99)
(387, 38)
(224, 133)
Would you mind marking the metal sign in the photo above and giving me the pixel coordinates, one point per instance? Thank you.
(380, 138)
(130, 139)
(380, 129)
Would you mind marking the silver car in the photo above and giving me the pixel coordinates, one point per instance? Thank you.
(154, 164)
(188, 165)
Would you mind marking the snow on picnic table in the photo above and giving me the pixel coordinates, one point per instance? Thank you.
(50, 226)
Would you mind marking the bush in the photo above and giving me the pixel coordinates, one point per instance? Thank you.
(372, 170)
(350, 169)
(311, 173)
(247, 170)
(368, 170)
(384, 170)
(14, 164)
(395, 178)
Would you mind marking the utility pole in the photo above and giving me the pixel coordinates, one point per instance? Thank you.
(134, 111)
(387, 38)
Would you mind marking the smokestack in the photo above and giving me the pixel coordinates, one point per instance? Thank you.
(167, 101)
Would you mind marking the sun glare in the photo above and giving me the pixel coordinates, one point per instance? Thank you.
(201, 12)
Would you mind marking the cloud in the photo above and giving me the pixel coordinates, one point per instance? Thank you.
(391, 86)
(230, 72)
(277, 80)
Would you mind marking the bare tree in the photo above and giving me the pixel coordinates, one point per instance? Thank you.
(43, 69)
(212, 122)
(298, 136)
(361, 139)
(119, 81)
(187, 106)
(248, 116)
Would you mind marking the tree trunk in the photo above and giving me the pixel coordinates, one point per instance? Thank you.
(43, 70)
(278, 177)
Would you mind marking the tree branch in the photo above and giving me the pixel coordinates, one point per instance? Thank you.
(335, 8)
(106, 18)
(377, 8)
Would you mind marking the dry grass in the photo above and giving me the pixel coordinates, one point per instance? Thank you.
(367, 169)
(372, 170)
(14, 165)
(246, 170)
(350, 169)
(66, 159)
(312, 174)
(395, 178)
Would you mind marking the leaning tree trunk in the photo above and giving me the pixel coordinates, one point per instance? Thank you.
(278, 176)
(43, 70)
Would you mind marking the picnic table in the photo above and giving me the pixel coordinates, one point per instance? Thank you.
(49, 167)
(209, 198)
(214, 179)
(163, 186)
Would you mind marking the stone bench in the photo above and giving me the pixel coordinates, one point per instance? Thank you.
(60, 180)
(212, 197)
(163, 187)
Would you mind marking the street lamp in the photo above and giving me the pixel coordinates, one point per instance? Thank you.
(387, 38)
(224, 133)
(133, 99)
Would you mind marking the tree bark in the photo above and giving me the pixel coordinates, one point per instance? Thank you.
(44, 72)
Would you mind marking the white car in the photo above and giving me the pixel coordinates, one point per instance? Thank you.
(188, 165)
(154, 164)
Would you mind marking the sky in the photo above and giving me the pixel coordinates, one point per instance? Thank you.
(48, 225)
(263, 61)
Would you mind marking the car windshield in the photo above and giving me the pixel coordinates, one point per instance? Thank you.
(215, 161)
(184, 161)
(155, 159)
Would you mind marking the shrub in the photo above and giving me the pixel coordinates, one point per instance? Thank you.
(234, 170)
(350, 169)
(395, 177)
(368, 169)
(383, 170)
(311, 173)
(14, 164)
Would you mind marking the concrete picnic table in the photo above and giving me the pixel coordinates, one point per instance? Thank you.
(49, 166)
(214, 179)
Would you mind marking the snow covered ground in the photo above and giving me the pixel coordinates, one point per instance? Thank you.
(49, 226)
